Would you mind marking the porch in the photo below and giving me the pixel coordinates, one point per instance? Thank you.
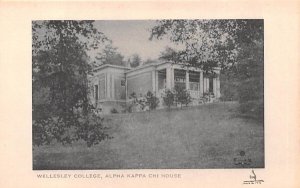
(193, 80)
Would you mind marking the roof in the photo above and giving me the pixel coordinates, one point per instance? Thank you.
(158, 62)
(111, 66)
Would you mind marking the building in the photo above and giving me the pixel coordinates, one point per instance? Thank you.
(112, 85)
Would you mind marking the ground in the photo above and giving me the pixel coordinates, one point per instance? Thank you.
(206, 136)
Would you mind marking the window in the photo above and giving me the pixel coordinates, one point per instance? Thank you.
(96, 92)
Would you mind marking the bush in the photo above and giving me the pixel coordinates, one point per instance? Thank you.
(168, 98)
(68, 129)
(182, 96)
(152, 101)
(92, 130)
(114, 111)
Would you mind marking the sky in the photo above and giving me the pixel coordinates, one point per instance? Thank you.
(132, 37)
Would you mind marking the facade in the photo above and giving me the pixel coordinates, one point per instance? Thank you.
(112, 85)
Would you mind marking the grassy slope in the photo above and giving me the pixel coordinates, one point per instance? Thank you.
(206, 136)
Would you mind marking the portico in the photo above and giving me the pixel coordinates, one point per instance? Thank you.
(168, 75)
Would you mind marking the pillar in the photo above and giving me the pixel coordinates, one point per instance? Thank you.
(172, 77)
(168, 78)
(215, 86)
(218, 89)
(204, 85)
(126, 88)
(207, 84)
(201, 84)
(156, 81)
(112, 86)
(108, 85)
(187, 80)
(153, 81)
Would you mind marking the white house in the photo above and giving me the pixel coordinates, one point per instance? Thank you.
(112, 85)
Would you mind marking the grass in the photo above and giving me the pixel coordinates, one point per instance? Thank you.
(207, 136)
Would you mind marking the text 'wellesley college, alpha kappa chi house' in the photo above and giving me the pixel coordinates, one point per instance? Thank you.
(112, 85)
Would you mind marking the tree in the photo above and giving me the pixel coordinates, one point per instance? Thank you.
(149, 61)
(135, 61)
(236, 46)
(206, 42)
(170, 54)
(110, 55)
(60, 67)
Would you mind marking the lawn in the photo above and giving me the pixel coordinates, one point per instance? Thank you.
(206, 136)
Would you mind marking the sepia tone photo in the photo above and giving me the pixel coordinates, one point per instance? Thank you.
(148, 94)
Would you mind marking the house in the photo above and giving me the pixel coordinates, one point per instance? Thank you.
(112, 85)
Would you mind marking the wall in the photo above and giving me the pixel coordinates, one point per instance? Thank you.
(120, 92)
(140, 84)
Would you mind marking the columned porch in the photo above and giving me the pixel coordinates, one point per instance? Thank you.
(193, 80)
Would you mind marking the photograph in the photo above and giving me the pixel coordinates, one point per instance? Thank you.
(148, 94)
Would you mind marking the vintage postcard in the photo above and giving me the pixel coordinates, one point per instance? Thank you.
(167, 94)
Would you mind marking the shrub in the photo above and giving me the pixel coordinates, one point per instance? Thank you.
(182, 96)
(152, 101)
(114, 111)
(69, 128)
(92, 130)
(168, 98)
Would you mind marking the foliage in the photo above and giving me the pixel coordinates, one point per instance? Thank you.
(182, 96)
(208, 43)
(236, 46)
(60, 68)
(133, 95)
(169, 98)
(135, 61)
(228, 87)
(110, 55)
(114, 111)
(149, 61)
(152, 101)
(66, 130)
(91, 130)
(146, 102)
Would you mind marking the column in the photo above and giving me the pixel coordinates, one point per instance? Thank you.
(126, 88)
(172, 77)
(153, 81)
(168, 78)
(156, 81)
(187, 80)
(207, 84)
(112, 86)
(107, 85)
(204, 85)
(215, 86)
(218, 87)
(201, 84)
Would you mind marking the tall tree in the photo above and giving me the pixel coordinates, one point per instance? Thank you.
(236, 46)
(135, 61)
(60, 67)
(149, 61)
(110, 55)
(206, 42)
